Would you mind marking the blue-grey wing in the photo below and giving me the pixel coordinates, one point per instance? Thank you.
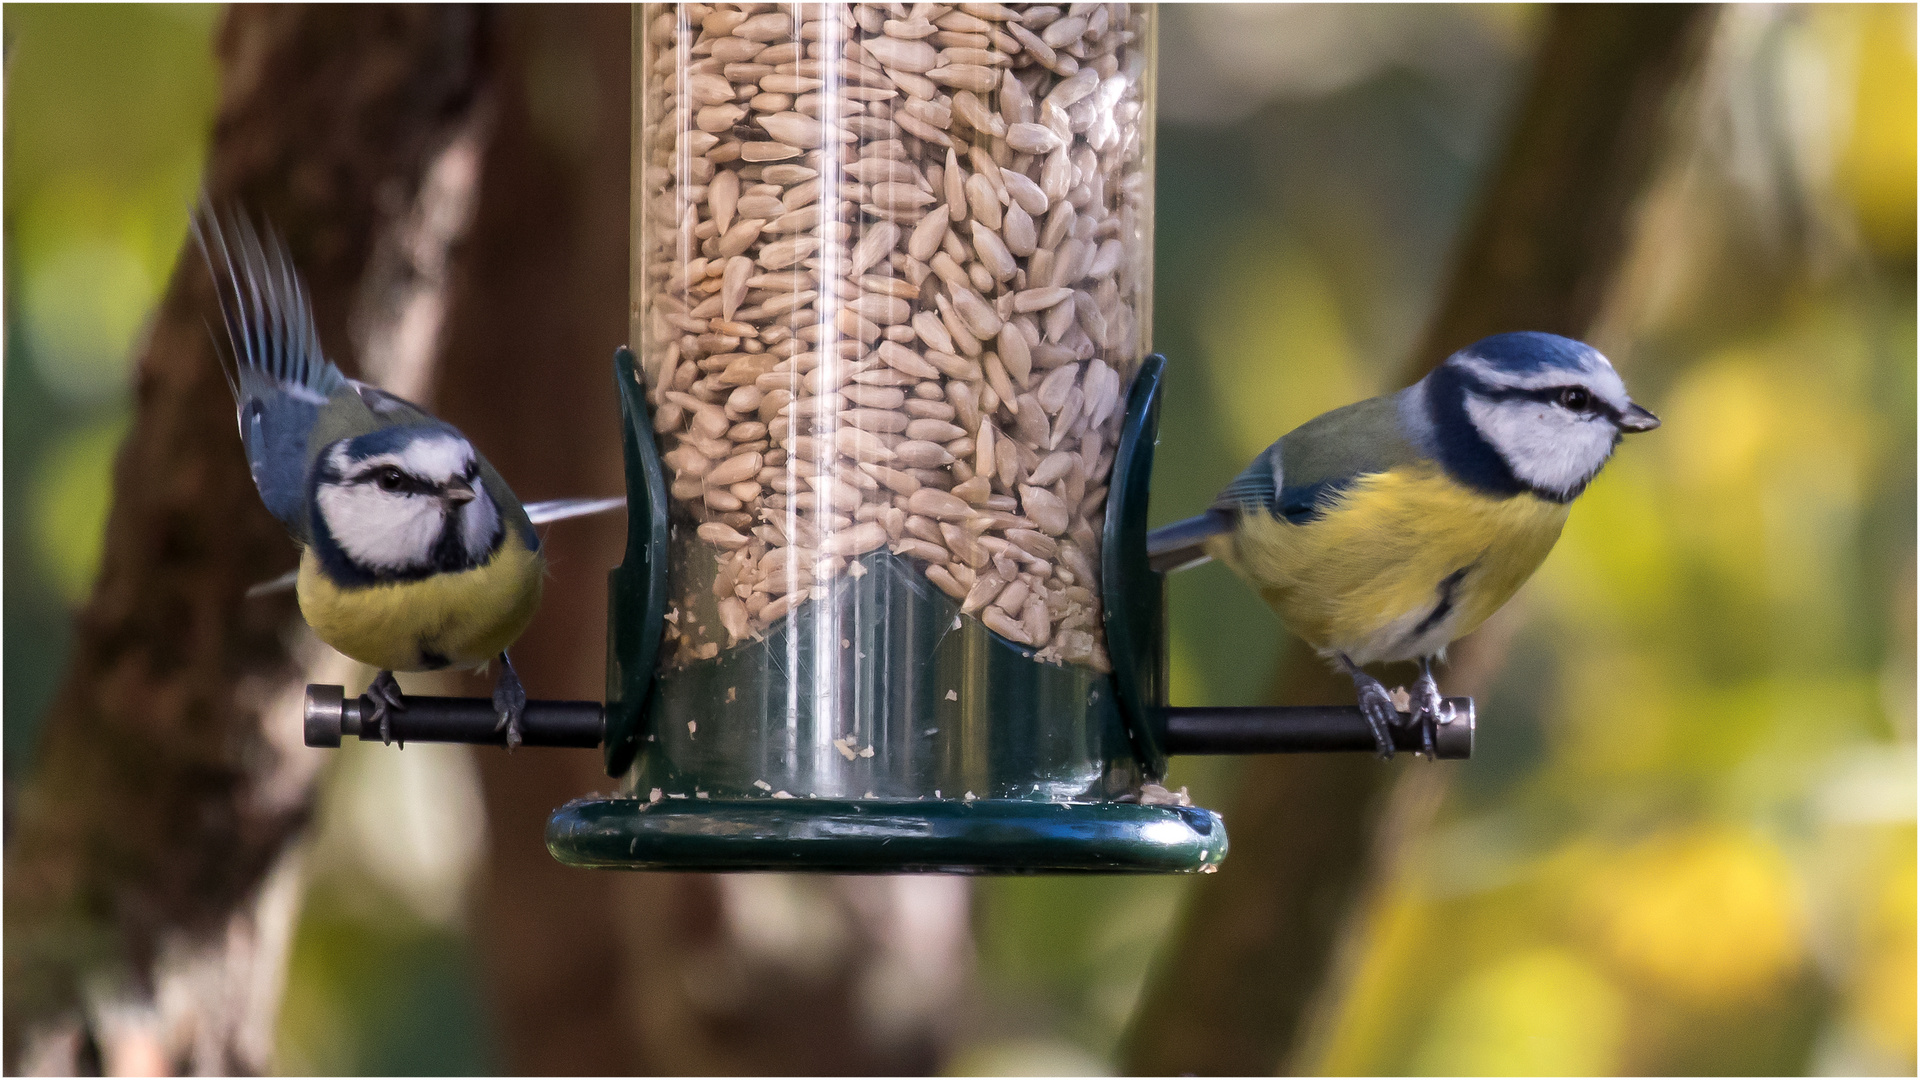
(281, 380)
(1300, 476)
(390, 409)
(1256, 486)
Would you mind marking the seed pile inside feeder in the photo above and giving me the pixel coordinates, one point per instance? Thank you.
(895, 273)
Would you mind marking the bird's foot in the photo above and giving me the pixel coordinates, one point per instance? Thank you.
(510, 701)
(1428, 704)
(385, 692)
(1376, 704)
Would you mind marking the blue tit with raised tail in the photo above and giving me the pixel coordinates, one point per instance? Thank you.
(415, 554)
(1387, 529)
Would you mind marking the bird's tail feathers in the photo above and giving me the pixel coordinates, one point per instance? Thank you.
(284, 583)
(1184, 543)
(561, 509)
(269, 321)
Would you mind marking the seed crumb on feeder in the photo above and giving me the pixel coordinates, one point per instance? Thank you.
(692, 726)
(783, 795)
(952, 695)
(1155, 795)
(845, 747)
(763, 785)
(654, 796)
(732, 692)
(866, 751)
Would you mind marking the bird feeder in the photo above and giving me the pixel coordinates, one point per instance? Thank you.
(885, 604)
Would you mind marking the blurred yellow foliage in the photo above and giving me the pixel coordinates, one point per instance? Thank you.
(1543, 1012)
(108, 112)
(1878, 164)
(1882, 998)
(87, 286)
(1710, 915)
(1274, 339)
(70, 504)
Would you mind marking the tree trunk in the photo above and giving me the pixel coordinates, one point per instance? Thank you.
(1254, 947)
(151, 858)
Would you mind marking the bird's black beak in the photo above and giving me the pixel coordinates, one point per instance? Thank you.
(459, 492)
(1636, 418)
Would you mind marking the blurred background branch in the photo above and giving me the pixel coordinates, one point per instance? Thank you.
(152, 866)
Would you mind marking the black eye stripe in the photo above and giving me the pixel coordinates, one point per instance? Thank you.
(408, 482)
(1546, 395)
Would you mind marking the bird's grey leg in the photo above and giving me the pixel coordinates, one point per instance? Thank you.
(385, 692)
(510, 701)
(1427, 702)
(1376, 705)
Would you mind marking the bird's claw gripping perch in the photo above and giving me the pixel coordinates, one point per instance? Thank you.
(1429, 704)
(1376, 704)
(510, 701)
(387, 699)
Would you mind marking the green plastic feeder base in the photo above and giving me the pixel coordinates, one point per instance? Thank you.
(856, 836)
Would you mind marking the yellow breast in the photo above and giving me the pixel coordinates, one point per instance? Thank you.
(447, 620)
(1405, 562)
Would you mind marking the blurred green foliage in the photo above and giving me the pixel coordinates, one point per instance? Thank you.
(1687, 842)
(107, 115)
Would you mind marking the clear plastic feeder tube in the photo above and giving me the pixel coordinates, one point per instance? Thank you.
(892, 278)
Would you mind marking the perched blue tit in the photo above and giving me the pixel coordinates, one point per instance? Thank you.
(416, 556)
(1385, 530)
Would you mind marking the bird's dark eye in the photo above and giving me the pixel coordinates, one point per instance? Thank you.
(1576, 398)
(390, 479)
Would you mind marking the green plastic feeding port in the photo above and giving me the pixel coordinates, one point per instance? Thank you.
(873, 727)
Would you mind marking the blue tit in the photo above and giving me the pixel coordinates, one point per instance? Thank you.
(1387, 529)
(416, 556)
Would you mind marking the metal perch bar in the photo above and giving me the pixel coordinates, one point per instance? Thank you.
(331, 716)
(1307, 729)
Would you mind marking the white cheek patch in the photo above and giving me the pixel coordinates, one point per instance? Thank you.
(1547, 447)
(382, 530)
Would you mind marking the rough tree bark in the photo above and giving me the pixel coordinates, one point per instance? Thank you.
(1254, 947)
(152, 871)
